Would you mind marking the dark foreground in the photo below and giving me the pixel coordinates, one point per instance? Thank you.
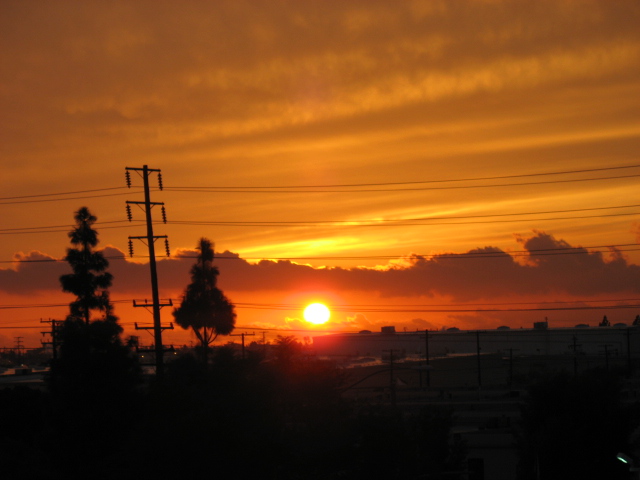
(296, 418)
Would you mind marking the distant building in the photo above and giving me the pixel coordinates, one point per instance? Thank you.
(618, 340)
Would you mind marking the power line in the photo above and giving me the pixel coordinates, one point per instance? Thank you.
(352, 222)
(451, 187)
(417, 219)
(38, 198)
(469, 179)
(62, 193)
(409, 308)
(386, 223)
(489, 254)
(13, 202)
(59, 228)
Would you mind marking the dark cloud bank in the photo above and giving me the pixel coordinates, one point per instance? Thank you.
(464, 277)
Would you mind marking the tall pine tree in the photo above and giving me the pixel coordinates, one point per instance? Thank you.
(93, 381)
(93, 359)
(90, 280)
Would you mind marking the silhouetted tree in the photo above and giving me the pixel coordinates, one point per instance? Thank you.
(93, 379)
(605, 322)
(89, 281)
(287, 348)
(93, 360)
(204, 308)
(636, 321)
(93, 357)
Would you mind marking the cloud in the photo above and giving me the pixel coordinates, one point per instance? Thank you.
(229, 69)
(34, 272)
(552, 268)
(422, 324)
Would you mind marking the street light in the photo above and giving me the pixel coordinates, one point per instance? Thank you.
(627, 460)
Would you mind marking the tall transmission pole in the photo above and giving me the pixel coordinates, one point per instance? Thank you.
(150, 240)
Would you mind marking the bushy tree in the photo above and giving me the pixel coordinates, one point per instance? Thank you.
(204, 308)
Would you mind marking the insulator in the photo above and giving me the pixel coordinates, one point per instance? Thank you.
(164, 215)
(128, 175)
(166, 247)
(160, 180)
(129, 215)
(130, 248)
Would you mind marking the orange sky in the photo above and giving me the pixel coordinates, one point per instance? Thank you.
(323, 111)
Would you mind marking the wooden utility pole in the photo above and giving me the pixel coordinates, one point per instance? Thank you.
(478, 360)
(426, 354)
(150, 240)
(628, 351)
(242, 335)
(392, 385)
(511, 365)
(574, 346)
(264, 345)
(606, 355)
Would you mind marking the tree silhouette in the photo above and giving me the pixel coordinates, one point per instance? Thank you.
(204, 308)
(89, 281)
(287, 348)
(94, 378)
(93, 357)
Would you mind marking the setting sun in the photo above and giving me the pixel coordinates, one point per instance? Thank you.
(317, 313)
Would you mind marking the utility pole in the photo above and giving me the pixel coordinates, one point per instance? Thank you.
(264, 345)
(392, 386)
(628, 351)
(242, 335)
(426, 354)
(150, 240)
(511, 365)
(18, 347)
(478, 360)
(606, 355)
(55, 325)
(574, 347)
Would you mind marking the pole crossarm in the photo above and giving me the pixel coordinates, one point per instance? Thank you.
(170, 327)
(144, 237)
(143, 169)
(146, 303)
(131, 202)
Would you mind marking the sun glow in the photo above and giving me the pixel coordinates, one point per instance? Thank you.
(317, 313)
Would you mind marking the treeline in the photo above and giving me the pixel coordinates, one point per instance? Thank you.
(283, 419)
(287, 419)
